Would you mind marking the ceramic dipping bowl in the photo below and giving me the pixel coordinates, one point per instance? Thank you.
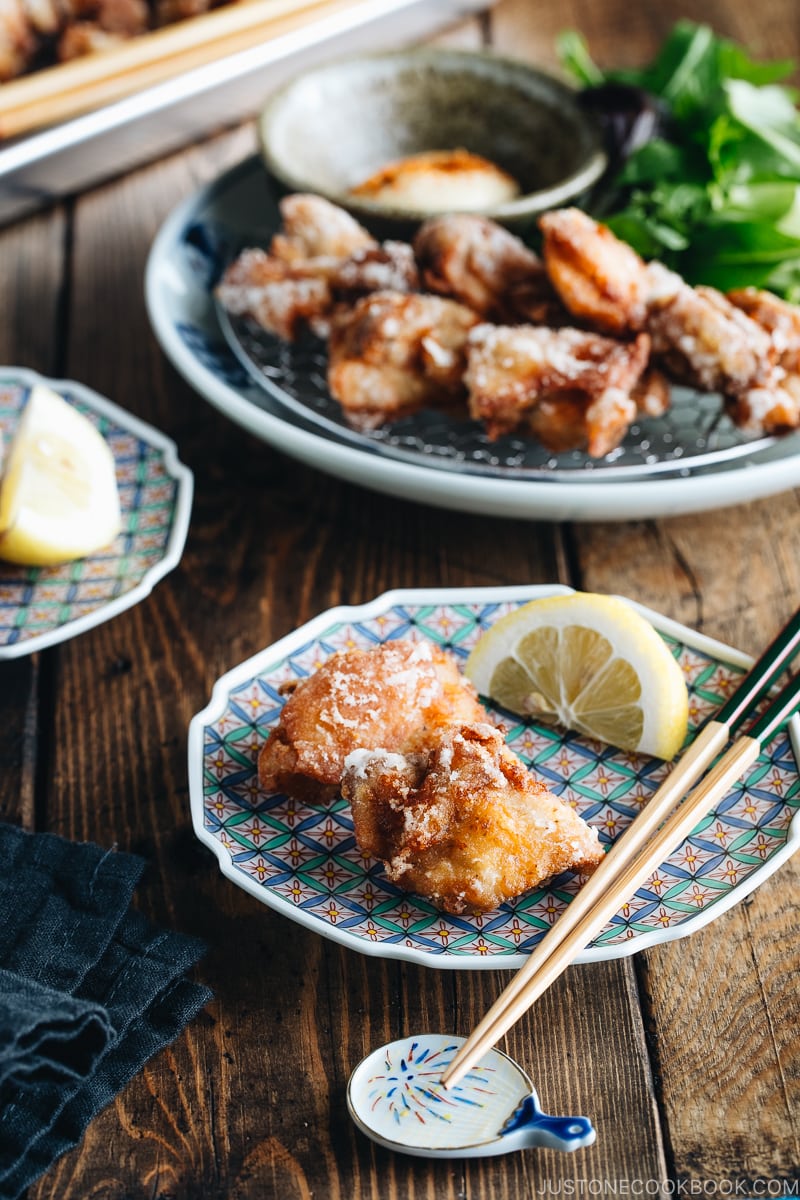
(336, 125)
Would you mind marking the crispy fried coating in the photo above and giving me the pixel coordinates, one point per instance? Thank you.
(361, 698)
(18, 40)
(315, 228)
(583, 377)
(388, 267)
(282, 297)
(287, 296)
(765, 410)
(600, 279)
(652, 393)
(703, 339)
(322, 262)
(458, 819)
(780, 319)
(393, 354)
(475, 261)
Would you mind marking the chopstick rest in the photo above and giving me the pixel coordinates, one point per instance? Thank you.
(649, 839)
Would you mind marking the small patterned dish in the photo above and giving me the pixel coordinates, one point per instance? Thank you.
(303, 860)
(40, 606)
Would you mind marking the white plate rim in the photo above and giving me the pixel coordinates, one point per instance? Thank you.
(180, 522)
(530, 499)
(260, 661)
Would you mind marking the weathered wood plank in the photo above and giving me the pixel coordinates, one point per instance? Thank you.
(32, 260)
(721, 1002)
(623, 34)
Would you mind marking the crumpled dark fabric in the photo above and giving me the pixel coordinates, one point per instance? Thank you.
(89, 991)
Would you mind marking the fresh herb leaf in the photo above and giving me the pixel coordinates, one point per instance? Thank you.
(574, 54)
(717, 197)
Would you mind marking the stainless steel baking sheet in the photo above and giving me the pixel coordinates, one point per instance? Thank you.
(44, 167)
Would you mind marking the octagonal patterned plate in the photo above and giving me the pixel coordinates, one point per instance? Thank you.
(303, 861)
(40, 606)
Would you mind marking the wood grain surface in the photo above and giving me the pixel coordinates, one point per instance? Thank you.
(687, 1057)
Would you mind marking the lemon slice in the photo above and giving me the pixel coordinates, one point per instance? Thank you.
(58, 494)
(589, 662)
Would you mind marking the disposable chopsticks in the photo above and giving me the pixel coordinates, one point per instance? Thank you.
(649, 839)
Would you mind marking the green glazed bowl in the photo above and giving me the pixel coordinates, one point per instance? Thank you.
(335, 125)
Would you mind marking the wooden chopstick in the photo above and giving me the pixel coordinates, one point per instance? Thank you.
(59, 92)
(641, 849)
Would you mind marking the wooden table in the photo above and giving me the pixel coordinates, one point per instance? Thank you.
(686, 1056)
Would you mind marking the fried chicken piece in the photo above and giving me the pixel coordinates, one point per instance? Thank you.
(652, 393)
(18, 42)
(780, 319)
(97, 25)
(388, 267)
(475, 261)
(394, 354)
(86, 37)
(721, 344)
(584, 378)
(315, 228)
(571, 421)
(703, 339)
(282, 297)
(48, 16)
(361, 698)
(764, 410)
(285, 297)
(458, 819)
(169, 11)
(599, 278)
(323, 261)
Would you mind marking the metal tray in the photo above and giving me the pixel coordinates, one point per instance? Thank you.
(41, 168)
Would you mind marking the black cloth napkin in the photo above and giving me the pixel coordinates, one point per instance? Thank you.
(88, 992)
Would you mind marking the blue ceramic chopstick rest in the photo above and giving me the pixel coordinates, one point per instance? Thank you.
(396, 1098)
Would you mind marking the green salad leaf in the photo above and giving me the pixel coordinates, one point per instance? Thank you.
(717, 198)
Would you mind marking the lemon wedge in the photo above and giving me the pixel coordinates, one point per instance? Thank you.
(591, 663)
(58, 494)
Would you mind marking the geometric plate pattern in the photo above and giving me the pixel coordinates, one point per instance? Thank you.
(303, 860)
(42, 605)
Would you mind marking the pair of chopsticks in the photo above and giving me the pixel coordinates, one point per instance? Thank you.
(650, 838)
(64, 91)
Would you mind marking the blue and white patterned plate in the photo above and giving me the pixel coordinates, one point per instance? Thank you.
(303, 861)
(40, 606)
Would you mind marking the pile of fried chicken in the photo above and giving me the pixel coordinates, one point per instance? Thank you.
(435, 793)
(36, 33)
(568, 348)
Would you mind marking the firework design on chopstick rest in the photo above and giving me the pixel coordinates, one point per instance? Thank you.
(408, 1088)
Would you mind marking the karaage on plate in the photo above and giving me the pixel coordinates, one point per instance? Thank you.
(393, 354)
(361, 699)
(475, 261)
(519, 374)
(322, 262)
(570, 349)
(598, 278)
(457, 818)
